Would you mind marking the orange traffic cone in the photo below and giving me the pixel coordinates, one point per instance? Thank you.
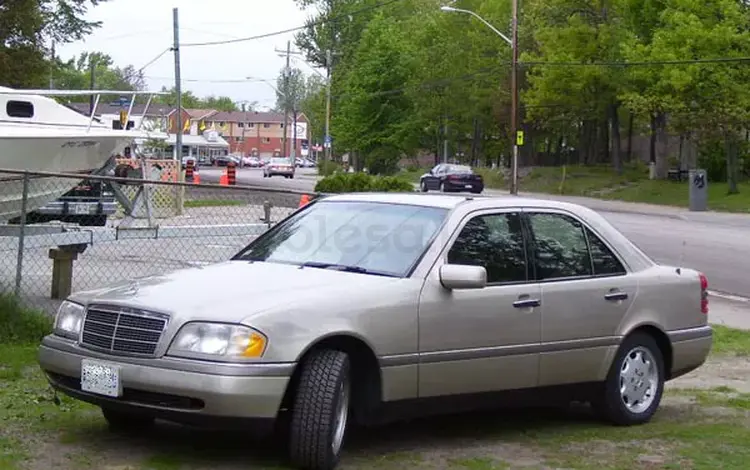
(196, 178)
(304, 200)
(224, 179)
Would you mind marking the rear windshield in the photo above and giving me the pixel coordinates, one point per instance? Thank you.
(280, 161)
(459, 169)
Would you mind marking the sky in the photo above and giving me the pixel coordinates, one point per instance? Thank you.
(134, 32)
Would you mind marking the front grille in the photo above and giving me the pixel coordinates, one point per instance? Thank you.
(122, 330)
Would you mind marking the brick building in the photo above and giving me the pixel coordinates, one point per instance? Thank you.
(258, 133)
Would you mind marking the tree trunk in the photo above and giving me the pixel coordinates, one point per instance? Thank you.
(558, 151)
(616, 157)
(652, 141)
(474, 142)
(662, 150)
(629, 155)
(731, 155)
(548, 152)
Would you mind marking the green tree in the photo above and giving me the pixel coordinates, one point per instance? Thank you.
(291, 88)
(27, 30)
(189, 100)
(75, 74)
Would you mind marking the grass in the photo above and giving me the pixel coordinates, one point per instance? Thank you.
(600, 181)
(696, 429)
(213, 203)
(632, 186)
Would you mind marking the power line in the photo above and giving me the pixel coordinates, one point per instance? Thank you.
(149, 63)
(292, 30)
(210, 80)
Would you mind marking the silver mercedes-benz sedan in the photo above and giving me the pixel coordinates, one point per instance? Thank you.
(375, 306)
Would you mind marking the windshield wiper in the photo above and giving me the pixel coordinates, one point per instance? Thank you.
(345, 268)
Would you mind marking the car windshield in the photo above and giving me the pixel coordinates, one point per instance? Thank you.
(280, 161)
(366, 237)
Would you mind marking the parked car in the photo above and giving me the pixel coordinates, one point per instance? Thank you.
(452, 178)
(279, 166)
(373, 301)
(304, 163)
(89, 204)
(252, 162)
(223, 160)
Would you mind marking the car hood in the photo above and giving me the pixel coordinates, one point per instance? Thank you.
(233, 290)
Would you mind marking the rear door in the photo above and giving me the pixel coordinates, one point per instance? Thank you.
(586, 292)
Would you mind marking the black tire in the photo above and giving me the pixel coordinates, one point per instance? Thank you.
(291, 177)
(423, 186)
(324, 383)
(610, 404)
(127, 422)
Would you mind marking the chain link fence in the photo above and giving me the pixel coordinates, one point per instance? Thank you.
(61, 232)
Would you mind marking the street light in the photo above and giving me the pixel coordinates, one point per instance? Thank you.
(513, 81)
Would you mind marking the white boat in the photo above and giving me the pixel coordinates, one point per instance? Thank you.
(39, 134)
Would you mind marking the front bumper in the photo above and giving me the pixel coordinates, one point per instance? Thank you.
(188, 391)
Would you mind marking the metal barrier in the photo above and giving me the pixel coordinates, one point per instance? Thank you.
(43, 260)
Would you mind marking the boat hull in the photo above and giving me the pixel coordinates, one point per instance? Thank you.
(71, 154)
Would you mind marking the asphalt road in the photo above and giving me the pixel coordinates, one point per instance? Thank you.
(716, 244)
(304, 178)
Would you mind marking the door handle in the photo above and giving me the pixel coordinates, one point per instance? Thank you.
(526, 303)
(615, 296)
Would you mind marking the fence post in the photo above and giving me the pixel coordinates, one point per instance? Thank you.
(267, 212)
(21, 234)
(179, 199)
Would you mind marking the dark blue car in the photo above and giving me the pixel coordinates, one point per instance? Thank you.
(452, 178)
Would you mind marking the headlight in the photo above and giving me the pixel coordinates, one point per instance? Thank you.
(69, 320)
(214, 341)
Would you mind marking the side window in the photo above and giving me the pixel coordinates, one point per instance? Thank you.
(495, 242)
(561, 249)
(437, 169)
(605, 262)
(19, 109)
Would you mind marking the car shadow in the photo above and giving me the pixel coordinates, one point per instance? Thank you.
(229, 450)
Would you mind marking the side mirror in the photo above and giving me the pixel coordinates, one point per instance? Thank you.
(460, 276)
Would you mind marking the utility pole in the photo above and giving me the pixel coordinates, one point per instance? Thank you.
(286, 97)
(244, 125)
(327, 146)
(53, 63)
(445, 140)
(177, 84)
(92, 82)
(514, 99)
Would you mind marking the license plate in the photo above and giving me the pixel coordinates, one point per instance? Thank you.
(468, 186)
(81, 209)
(100, 378)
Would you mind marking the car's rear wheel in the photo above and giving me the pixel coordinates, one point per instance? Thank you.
(128, 422)
(635, 382)
(320, 414)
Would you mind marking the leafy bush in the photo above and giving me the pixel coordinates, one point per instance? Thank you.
(20, 325)
(327, 167)
(362, 182)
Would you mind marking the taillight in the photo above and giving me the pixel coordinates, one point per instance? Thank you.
(452, 177)
(704, 293)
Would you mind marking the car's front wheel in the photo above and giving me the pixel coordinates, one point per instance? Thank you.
(635, 382)
(119, 421)
(423, 186)
(320, 414)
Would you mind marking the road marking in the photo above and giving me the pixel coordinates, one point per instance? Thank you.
(735, 298)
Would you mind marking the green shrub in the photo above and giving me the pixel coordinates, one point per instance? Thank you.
(362, 182)
(21, 325)
(327, 167)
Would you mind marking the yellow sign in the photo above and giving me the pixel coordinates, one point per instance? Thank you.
(124, 118)
(519, 138)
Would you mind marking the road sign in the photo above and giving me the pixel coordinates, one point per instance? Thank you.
(327, 141)
(519, 138)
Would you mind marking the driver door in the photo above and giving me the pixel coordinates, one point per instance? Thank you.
(432, 180)
(482, 340)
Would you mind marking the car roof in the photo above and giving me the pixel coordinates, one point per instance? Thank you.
(447, 201)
